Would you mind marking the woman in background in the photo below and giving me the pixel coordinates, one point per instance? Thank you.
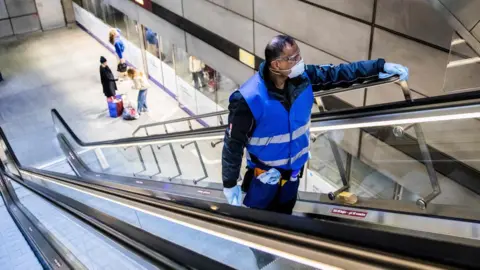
(115, 39)
(141, 84)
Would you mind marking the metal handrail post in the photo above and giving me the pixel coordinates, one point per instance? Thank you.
(154, 157)
(336, 155)
(144, 168)
(201, 163)
(341, 170)
(174, 155)
(176, 162)
(427, 159)
(200, 158)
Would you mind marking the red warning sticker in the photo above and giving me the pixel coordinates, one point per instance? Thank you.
(351, 213)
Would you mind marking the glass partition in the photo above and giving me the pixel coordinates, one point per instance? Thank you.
(463, 67)
(192, 82)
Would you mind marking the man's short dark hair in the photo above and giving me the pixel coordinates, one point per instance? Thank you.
(275, 47)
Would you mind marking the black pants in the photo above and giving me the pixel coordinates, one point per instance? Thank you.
(198, 79)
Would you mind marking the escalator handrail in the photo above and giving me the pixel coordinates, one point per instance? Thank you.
(330, 92)
(334, 119)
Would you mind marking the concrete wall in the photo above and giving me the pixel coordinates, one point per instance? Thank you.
(18, 17)
(25, 16)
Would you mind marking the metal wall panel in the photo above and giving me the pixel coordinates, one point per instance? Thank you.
(476, 31)
(126, 7)
(26, 24)
(5, 28)
(338, 35)
(164, 29)
(244, 7)
(3, 10)
(311, 55)
(20, 7)
(225, 23)
(427, 65)
(51, 14)
(172, 5)
(415, 18)
(221, 62)
(467, 11)
(362, 9)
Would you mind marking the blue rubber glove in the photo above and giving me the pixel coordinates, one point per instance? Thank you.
(391, 69)
(270, 177)
(233, 195)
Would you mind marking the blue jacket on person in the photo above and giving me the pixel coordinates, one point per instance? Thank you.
(273, 124)
(119, 47)
(151, 36)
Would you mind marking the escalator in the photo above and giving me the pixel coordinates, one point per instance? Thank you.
(159, 198)
(156, 201)
(176, 231)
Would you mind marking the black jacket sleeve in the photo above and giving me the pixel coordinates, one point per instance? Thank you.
(110, 76)
(241, 124)
(324, 77)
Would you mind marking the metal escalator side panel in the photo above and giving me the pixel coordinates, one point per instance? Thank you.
(325, 228)
(160, 252)
(40, 243)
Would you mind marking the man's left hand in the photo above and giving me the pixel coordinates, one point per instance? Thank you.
(391, 69)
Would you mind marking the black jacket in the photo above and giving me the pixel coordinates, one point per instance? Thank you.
(242, 123)
(108, 81)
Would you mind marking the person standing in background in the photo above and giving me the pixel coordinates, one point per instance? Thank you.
(108, 80)
(141, 84)
(196, 67)
(152, 41)
(115, 39)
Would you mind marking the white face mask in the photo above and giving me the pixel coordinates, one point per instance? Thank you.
(297, 70)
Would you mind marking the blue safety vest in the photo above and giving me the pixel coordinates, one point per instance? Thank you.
(281, 139)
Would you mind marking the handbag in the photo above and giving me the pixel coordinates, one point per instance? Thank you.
(122, 67)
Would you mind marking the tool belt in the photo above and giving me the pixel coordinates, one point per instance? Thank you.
(255, 172)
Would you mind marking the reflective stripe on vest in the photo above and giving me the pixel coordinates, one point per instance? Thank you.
(281, 138)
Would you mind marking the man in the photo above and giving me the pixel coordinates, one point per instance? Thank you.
(152, 41)
(270, 115)
(196, 67)
(107, 79)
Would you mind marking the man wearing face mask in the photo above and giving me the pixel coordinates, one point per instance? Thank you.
(270, 116)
